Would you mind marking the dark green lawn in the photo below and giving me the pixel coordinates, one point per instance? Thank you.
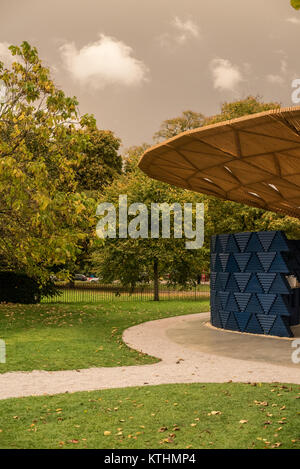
(168, 416)
(72, 336)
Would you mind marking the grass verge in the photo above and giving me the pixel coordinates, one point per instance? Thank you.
(73, 336)
(230, 415)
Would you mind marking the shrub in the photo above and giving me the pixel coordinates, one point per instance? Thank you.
(16, 287)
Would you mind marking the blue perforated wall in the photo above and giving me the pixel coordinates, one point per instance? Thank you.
(249, 289)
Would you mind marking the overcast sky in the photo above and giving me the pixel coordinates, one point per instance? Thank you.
(134, 63)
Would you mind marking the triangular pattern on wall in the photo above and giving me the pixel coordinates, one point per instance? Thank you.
(242, 319)
(254, 305)
(254, 244)
(281, 327)
(223, 276)
(242, 280)
(254, 326)
(242, 300)
(266, 322)
(242, 240)
(223, 241)
(280, 285)
(223, 257)
(224, 298)
(218, 284)
(232, 265)
(213, 277)
(266, 259)
(279, 243)
(231, 323)
(224, 316)
(232, 304)
(254, 264)
(278, 264)
(213, 258)
(218, 265)
(217, 320)
(254, 285)
(280, 306)
(242, 259)
(218, 247)
(232, 245)
(266, 280)
(266, 238)
(249, 289)
(232, 284)
(266, 300)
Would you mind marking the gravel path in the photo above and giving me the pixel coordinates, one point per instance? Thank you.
(180, 363)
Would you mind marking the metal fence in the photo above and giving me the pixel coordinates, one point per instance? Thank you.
(95, 292)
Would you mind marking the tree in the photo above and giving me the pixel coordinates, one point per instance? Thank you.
(43, 216)
(295, 4)
(133, 260)
(243, 107)
(132, 156)
(171, 127)
(101, 162)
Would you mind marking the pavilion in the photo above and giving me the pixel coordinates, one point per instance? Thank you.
(254, 160)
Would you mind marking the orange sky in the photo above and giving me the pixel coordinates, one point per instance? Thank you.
(134, 63)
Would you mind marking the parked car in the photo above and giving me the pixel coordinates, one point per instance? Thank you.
(80, 277)
(93, 279)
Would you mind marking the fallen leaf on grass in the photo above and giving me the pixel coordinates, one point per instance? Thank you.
(263, 403)
(215, 412)
(276, 445)
(167, 440)
(162, 429)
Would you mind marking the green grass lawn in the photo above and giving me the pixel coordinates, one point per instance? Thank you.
(71, 336)
(181, 416)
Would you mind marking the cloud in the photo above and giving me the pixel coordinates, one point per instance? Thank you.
(283, 66)
(275, 79)
(293, 20)
(5, 54)
(279, 77)
(226, 76)
(186, 29)
(104, 62)
(182, 31)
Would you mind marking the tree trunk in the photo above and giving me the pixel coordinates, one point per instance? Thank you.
(156, 280)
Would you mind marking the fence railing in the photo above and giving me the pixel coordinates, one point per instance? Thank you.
(92, 292)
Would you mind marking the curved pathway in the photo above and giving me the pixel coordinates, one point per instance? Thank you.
(191, 351)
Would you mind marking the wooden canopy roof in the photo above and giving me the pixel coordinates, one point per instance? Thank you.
(254, 160)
